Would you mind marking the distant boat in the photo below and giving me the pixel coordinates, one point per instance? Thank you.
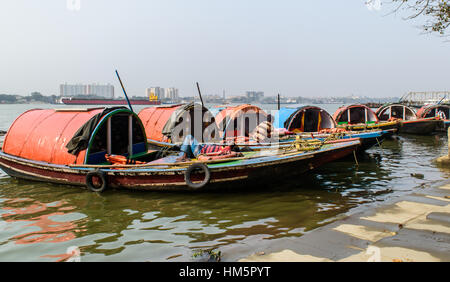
(441, 111)
(100, 101)
(409, 122)
(361, 117)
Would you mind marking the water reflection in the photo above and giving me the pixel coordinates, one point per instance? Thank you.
(43, 220)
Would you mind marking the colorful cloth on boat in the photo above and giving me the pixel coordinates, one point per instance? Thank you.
(193, 148)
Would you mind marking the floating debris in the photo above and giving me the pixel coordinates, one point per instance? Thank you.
(418, 175)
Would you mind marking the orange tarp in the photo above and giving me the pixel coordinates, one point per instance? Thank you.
(234, 112)
(42, 135)
(154, 119)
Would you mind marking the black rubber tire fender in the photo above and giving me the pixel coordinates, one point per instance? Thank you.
(102, 176)
(187, 176)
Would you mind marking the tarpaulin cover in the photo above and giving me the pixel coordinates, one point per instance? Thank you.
(357, 111)
(307, 119)
(160, 122)
(42, 135)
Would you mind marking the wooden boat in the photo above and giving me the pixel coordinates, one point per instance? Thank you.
(315, 122)
(304, 119)
(360, 117)
(441, 111)
(239, 121)
(173, 123)
(36, 148)
(304, 122)
(408, 120)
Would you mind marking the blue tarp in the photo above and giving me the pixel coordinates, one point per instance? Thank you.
(282, 115)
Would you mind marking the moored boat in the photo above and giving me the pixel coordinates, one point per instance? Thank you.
(441, 111)
(76, 147)
(361, 117)
(408, 120)
(304, 119)
(315, 122)
(237, 122)
(173, 123)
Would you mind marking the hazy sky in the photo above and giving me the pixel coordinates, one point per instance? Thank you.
(295, 47)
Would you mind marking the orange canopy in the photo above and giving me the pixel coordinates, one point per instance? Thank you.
(355, 114)
(174, 123)
(42, 135)
(239, 120)
(154, 119)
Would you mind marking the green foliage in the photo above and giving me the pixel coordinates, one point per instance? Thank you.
(4, 98)
(34, 97)
(437, 13)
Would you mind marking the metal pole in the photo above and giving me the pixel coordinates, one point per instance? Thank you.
(124, 92)
(200, 94)
(278, 101)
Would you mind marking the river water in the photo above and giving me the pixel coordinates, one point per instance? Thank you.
(46, 222)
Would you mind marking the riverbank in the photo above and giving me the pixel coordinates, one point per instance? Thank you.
(411, 228)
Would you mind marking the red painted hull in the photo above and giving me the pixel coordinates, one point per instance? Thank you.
(107, 102)
(258, 173)
(423, 126)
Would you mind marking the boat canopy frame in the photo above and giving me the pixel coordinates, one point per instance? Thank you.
(133, 149)
(400, 111)
(355, 114)
(324, 119)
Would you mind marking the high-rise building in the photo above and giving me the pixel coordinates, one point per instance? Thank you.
(155, 91)
(71, 90)
(171, 93)
(106, 91)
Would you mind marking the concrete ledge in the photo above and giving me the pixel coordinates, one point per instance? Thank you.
(416, 227)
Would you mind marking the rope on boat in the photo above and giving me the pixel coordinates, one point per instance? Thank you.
(356, 159)
(301, 144)
(379, 144)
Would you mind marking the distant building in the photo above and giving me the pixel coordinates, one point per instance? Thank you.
(254, 96)
(171, 93)
(101, 90)
(155, 91)
(168, 94)
(106, 91)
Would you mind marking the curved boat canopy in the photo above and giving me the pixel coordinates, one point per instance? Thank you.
(355, 114)
(304, 119)
(435, 110)
(237, 121)
(399, 111)
(174, 123)
(66, 136)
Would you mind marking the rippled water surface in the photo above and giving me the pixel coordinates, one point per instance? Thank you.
(41, 222)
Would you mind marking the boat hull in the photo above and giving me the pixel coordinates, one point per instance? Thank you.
(420, 126)
(259, 172)
(443, 127)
